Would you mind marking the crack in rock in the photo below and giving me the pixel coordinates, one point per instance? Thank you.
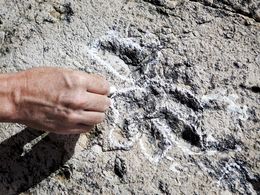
(245, 8)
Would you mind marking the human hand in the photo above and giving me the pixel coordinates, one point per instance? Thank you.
(58, 100)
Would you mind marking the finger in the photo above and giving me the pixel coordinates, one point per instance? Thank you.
(95, 84)
(86, 118)
(96, 102)
(84, 127)
(77, 129)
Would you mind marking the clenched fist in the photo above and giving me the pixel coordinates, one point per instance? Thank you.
(54, 99)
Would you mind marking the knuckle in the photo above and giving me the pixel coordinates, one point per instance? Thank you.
(77, 96)
(78, 100)
(70, 117)
(104, 84)
(70, 81)
(81, 103)
(67, 99)
(81, 78)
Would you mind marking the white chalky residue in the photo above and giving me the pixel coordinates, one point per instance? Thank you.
(172, 140)
(210, 138)
(150, 158)
(165, 130)
(169, 158)
(229, 167)
(114, 143)
(126, 90)
(128, 42)
(212, 152)
(115, 112)
(112, 35)
(238, 110)
(97, 149)
(93, 54)
(173, 167)
(185, 147)
(235, 109)
(204, 168)
(112, 90)
(166, 133)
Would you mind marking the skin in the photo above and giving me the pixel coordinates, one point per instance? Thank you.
(53, 99)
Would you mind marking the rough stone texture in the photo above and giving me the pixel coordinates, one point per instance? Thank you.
(185, 117)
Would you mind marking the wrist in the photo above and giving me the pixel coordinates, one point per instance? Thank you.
(8, 89)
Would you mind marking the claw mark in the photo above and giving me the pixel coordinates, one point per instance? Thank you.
(114, 144)
(93, 54)
(236, 110)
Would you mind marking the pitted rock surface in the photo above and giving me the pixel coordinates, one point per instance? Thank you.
(185, 117)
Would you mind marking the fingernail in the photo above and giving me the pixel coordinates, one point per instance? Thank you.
(109, 102)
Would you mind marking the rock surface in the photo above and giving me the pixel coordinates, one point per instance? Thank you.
(185, 117)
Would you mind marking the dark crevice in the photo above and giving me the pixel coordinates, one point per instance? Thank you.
(187, 99)
(255, 182)
(129, 54)
(191, 136)
(65, 172)
(156, 2)
(163, 187)
(253, 179)
(254, 89)
(181, 128)
(120, 168)
(66, 11)
(224, 144)
(161, 7)
(231, 8)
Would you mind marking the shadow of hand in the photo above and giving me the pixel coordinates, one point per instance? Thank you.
(20, 172)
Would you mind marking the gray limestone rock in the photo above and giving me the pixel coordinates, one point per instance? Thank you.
(185, 117)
